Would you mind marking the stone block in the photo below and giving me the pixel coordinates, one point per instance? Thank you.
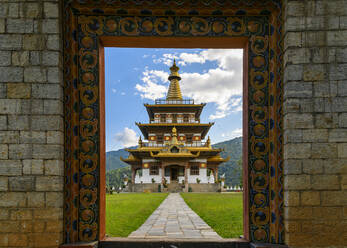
(54, 167)
(335, 166)
(297, 89)
(35, 58)
(292, 166)
(293, 73)
(315, 135)
(12, 74)
(3, 187)
(35, 199)
(52, 107)
(342, 150)
(55, 137)
(297, 182)
(4, 214)
(327, 213)
(20, 58)
(37, 106)
(324, 150)
(3, 151)
(30, 10)
(35, 75)
(341, 55)
(54, 75)
(297, 151)
(312, 166)
(50, 26)
(55, 200)
(50, 58)
(52, 91)
(9, 137)
(327, 120)
(321, 89)
(336, 38)
(293, 120)
(32, 137)
(344, 182)
(314, 72)
(11, 168)
(5, 58)
(13, 10)
(51, 10)
(53, 42)
(2, 26)
(3, 9)
(291, 198)
(20, 151)
(18, 122)
(21, 214)
(48, 213)
(3, 122)
(296, 56)
(339, 104)
(337, 71)
(334, 198)
(298, 213)
(49, 183)
(295, 8)
(292, 136)
(18, 239)
(295, 105)
(342, 88)
(325, 182)
(47, 123)
(314, 38)
(48, 240)
(310, 198)
(10, 42)
(343, 120)
(48, 151)
(315, 22)
(33, 167)
(295, 24)
(338, 135)
(18, 26)
(33, 42)
(18, 90)
(12, 199)
(12, 106)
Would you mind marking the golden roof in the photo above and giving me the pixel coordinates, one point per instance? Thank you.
(174, 92)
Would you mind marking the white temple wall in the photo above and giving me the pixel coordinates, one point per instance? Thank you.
(147, 178)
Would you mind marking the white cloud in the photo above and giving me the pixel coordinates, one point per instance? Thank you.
(123, 93)
(114, 90)
(221, 85)
(233, 134)
(127, 137)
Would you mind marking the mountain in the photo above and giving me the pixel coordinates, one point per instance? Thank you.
(113, 159)
(116, 168)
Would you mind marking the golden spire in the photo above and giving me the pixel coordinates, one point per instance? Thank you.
(174, 92)
(174, 136)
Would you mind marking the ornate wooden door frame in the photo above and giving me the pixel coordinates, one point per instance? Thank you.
(254, 25)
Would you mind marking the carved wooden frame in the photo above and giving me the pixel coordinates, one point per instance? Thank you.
(90, 25)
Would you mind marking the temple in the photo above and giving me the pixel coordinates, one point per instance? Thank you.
(175, 157)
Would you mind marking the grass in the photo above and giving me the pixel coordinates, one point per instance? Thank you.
(127, 212)
(223, 212)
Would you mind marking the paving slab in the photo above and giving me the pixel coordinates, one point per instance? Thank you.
(174, 219)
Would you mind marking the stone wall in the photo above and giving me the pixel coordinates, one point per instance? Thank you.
(31, 124)
(315, 123)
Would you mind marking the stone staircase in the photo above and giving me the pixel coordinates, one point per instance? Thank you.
(174, 187)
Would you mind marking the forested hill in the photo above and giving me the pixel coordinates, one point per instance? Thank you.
(232, 170)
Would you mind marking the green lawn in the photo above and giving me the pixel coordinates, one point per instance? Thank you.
(127, 212)
(223, 212)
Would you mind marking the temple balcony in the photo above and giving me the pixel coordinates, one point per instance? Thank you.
(195, 144)
(183, 101)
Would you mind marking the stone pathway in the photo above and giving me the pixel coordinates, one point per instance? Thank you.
(173, 219)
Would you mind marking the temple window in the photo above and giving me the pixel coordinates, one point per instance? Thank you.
(163, 118)
(181, 171)
(194, 170)
(185, 118)
(189, 138)
(159, 139)
(154, 170)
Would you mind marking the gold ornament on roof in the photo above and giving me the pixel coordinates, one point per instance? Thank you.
(174, 92)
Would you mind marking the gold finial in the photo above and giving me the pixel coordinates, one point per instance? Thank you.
(140, 141)
(174, 92)
(174, 131)
(208, 143)
(174, 136)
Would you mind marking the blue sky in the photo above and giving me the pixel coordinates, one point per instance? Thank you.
(135, 76)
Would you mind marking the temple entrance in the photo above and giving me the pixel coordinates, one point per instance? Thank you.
(174, 173)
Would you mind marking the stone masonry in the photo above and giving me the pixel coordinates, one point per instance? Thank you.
(31, 124)
(315, 123)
